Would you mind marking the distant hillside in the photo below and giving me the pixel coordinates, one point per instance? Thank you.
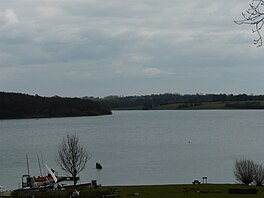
(16, 105)
(187, 101)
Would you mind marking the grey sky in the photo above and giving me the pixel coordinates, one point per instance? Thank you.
(127, 47)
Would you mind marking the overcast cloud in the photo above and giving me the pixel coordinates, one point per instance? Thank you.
(127, 47)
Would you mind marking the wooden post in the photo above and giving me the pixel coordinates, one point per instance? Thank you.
(205, 180)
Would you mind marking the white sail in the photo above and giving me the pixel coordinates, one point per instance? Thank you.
(52, 174)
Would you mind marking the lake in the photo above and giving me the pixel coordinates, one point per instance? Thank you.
(138, 147)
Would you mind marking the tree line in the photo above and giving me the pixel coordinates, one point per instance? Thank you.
(17, 105)
(148, 101)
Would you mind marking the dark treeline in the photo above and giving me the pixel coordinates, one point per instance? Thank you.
(167, 98)
(16, 105)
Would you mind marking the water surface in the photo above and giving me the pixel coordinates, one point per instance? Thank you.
(138, 147)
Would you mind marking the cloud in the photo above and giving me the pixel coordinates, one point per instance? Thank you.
(116, 42)
(9, 16)
(152, 71)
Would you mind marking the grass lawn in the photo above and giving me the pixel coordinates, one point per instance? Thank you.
(175, 191)
(154, 191)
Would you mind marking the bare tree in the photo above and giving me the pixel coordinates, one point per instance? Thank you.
(245, 171)
(259, 176)
(72, 157)
(254, 16)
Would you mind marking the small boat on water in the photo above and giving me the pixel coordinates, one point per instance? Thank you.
(98, 166)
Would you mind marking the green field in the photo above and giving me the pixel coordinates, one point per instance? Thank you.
(161, 191)
(205, 105)
(175, 191)
(193, 106)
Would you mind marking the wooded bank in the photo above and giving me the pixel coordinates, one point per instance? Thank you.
(16, 105)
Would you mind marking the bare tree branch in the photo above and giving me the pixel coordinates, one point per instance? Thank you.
(254, 16)
(72, 157)
(245, 171)
(259, 176)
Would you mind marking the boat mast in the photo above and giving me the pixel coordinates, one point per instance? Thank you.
(27, 164)
(40, 167)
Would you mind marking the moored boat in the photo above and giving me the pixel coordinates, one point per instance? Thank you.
(98, 166)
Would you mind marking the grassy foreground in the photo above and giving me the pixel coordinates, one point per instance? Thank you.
(159, 191)
(175, 191)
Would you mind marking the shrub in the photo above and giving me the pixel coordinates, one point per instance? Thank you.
(245, 171)
(259, 176)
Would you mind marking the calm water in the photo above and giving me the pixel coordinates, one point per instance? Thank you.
(138, 147)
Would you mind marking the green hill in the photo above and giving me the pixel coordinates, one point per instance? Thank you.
(184, 102)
